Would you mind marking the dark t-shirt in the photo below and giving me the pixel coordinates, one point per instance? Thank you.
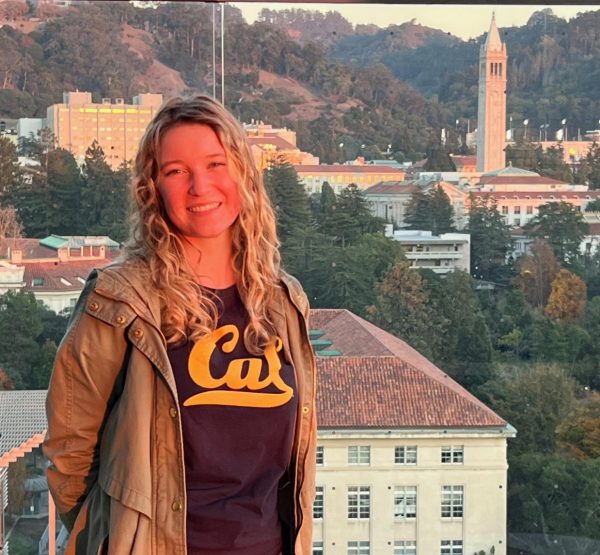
(238, 415)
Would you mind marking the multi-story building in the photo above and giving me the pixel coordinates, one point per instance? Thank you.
(339, 176)
(269, 144)
(441, 253)
(118, 127)
(408, 462)
(389, 199)
(54, 269)
(519, 193)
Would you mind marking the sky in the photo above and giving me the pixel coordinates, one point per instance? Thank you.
(464, 21)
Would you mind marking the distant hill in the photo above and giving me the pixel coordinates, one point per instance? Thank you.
(316, 73)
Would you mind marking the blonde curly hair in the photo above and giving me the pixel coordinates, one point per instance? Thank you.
(189, 312)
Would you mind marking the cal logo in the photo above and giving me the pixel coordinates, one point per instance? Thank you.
(242, 373)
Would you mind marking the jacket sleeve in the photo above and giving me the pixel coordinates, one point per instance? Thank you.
(82, 388)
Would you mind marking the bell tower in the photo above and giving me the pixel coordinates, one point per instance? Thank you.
(491, 110)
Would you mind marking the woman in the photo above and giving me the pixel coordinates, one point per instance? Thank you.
(181, 406)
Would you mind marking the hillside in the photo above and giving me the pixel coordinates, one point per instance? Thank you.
(313, 72)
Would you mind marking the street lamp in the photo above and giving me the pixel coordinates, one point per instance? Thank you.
(525, 123)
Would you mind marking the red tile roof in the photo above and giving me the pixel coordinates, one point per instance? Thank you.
(52, 272)
(346, 168)
(553, 195)
(380, 381)
(393, 188)
(519, 180)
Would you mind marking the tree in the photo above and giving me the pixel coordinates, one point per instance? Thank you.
(441, 211)
(10, 228)
(402, 307)
(491, 241)
(593, 206)
(536, 272)
(568, 297)
(562, 225)
(554, 495)
(418, 215)
(589, 168)
(535, 400)
(10, 171)
(20, 326)
(580, 434)
(104, 195)
(438, 160)
(64, 193)
(351, 218)
(431, 211)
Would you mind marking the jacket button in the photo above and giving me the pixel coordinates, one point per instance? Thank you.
(137, 332)
(93, 306)
(173, 412)
(177, 506)
(121, 319)
(305, 409)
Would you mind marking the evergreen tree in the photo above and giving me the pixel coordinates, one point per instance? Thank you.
(352, 218)
(104, 196)
(589, 168)
(10, 172)
(562, 225)
(64, 194)
(441, 211)
(418, 211)
(491, 242)
(20, 326)
(292, 211)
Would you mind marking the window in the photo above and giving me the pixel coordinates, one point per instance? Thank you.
(358, 548)
(405, 502)
(452, 501)
(359, 454)
(529, 209)
(320, 455)
(517, 222)
(318, 504)
(517, 210)
(405, 454)
(317, 548)
(451, 547)
(505, 209)
(405, 547)
(359, 502)
(37, 282)
(453, 454)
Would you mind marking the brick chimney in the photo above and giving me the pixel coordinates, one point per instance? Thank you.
(16, 256)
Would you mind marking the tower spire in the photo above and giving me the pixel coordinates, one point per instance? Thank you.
(493, 41)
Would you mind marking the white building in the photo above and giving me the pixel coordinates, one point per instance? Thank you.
(441, 253)
(408, 462)
(54, 269)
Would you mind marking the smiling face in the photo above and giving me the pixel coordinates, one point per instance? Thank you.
(199, 195)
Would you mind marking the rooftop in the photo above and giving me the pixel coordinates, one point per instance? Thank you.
(22, 423)
(379, 381)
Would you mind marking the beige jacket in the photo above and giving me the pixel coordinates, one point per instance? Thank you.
(114, 428)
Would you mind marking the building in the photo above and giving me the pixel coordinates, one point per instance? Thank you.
(54, 269)
(269, 145)
(339, 176)
(23, 429)
(573, 151)
(440, 253)
(407, 460)
(389, 199)
(491, 111)
(118, 127)
(519, 193)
